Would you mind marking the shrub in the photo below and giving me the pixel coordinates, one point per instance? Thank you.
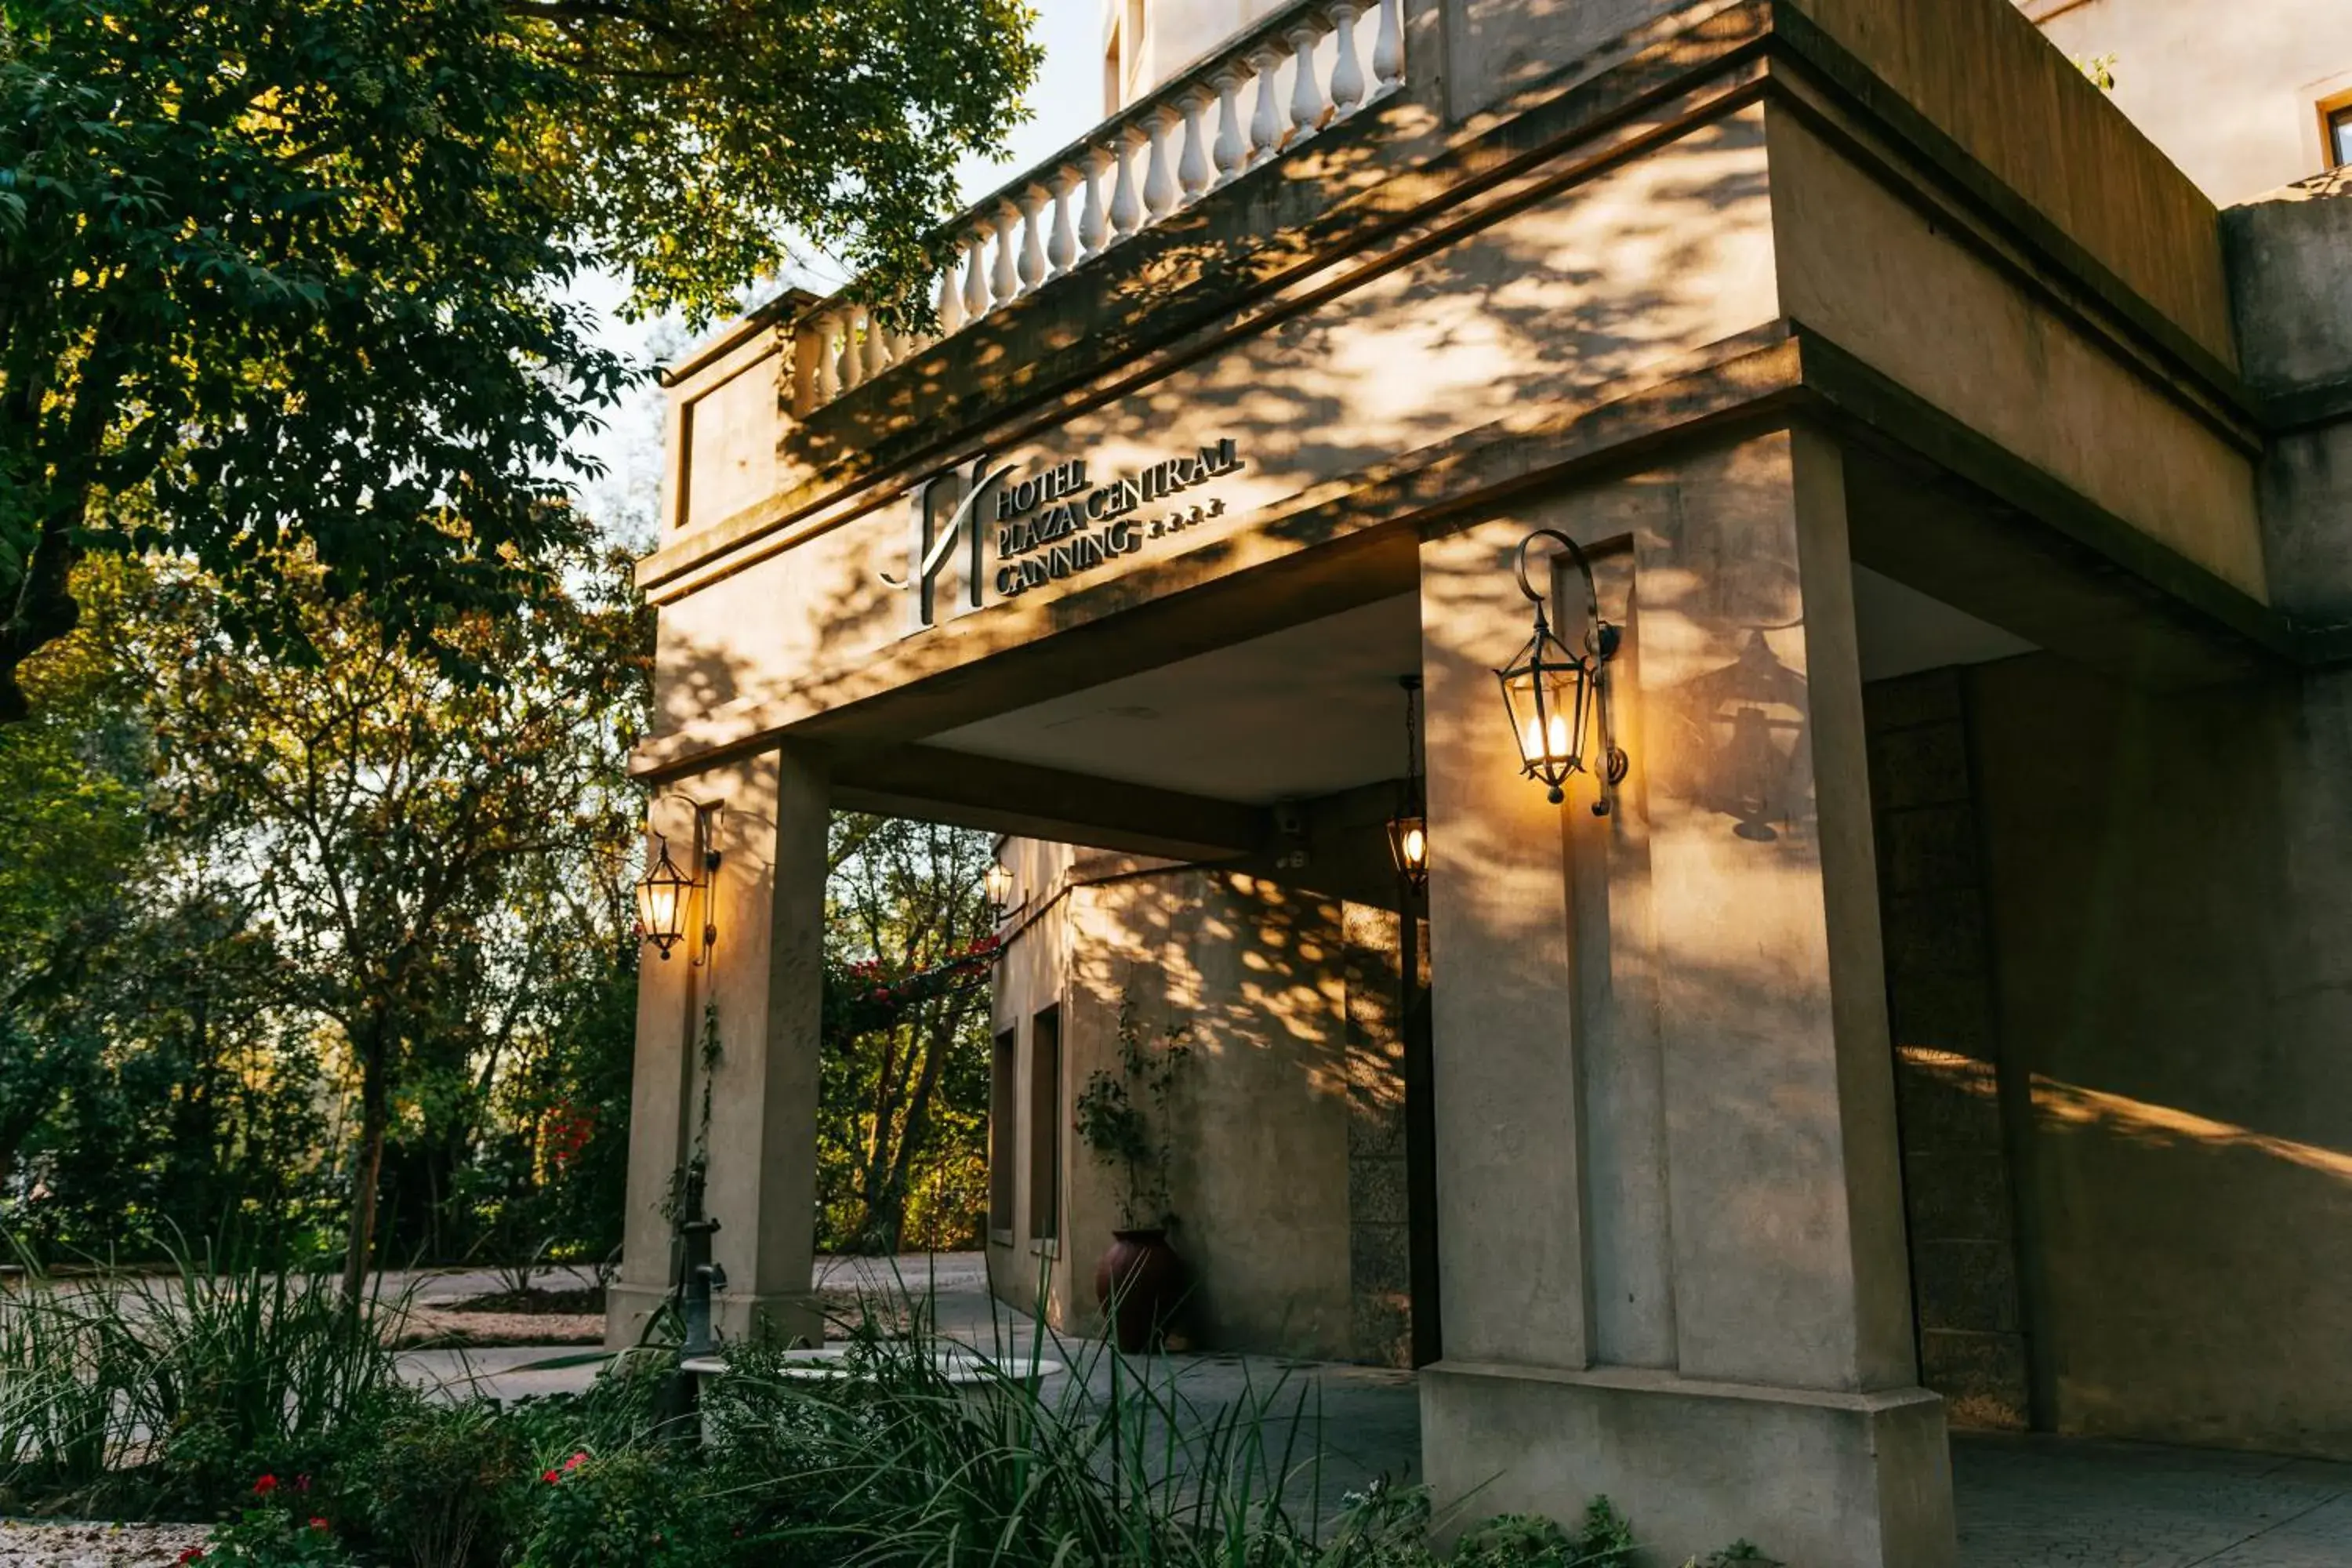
(269, 1534)
(447, 1483)
(638, 1508)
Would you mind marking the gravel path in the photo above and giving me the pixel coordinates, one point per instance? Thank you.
(29, 1545)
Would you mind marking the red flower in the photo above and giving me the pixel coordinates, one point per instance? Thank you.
(576, 1460)
(317, 1523)
(551, 1477)
(265, 1486)
(192, 1555)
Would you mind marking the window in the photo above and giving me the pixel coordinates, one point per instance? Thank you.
(1004, 1148)
(2336, 130)
(1045, 1126)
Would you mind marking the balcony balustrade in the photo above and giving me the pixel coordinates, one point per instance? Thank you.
(1303, 69)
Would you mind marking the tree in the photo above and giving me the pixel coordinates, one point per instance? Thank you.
(146, 1081)
(376, 810)
(283, 282)
(903, 1089)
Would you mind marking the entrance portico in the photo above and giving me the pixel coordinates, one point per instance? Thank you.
(1662, 295)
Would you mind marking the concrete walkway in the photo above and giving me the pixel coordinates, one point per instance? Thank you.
(2023, 1501)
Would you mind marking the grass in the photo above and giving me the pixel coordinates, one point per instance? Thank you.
(168, 1396)
(143, 1393)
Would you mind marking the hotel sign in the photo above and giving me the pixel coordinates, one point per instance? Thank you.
(1018, 534)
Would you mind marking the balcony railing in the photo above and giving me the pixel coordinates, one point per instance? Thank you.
(1300, 72)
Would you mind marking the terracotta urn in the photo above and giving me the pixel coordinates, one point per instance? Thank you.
(1139, 1282)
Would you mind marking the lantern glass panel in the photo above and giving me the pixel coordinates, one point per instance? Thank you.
(1545, 695)
(1000, 885)
(1409, 843)
(662, 896)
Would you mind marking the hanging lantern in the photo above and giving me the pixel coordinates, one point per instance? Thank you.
(999, 886)
(663, 894)
(1555, 697)
(1409, 829)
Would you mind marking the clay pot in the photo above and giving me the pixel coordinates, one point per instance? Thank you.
(1143, 1272)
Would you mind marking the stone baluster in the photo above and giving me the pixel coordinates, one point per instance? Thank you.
(1033, 237)
(1004, 282)
(975, 276)
(1126, 208)
(1062, 247)
(1159, 184)
(1193, 170)
(828, 361)
(950, 301)
(1232, 151)
(1092, 232)
(1265, 120)
(853, 358)
(1307, 105)
(1347, 72)
(1388, 48)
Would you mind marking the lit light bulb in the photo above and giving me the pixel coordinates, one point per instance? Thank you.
(1416, 844)
(1559, 738)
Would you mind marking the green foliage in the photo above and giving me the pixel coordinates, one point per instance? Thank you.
(425, 853)
(1123, 1117)
(895, 1462)
(903, 1095)
(272, 1537)
(294, 273)
(178, 1391)
(1525, 1541)
(443, 1485)
(2098, 69)
(639, 1505)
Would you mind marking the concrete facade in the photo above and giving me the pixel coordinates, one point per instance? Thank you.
(1937, 1027)
(1286, 1184)
(2241, 100)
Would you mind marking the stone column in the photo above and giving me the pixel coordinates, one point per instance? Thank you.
(751, 1115)
(661, 1096)
(1673, 1267)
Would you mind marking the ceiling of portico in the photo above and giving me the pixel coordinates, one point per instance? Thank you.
(1308, 711)
(1316, 708)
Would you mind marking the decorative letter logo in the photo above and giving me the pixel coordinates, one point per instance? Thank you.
(928, 546)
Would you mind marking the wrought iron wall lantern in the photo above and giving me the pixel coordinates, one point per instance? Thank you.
(666, 892)
(999, 884)
(1556, 697)
(1409, 829)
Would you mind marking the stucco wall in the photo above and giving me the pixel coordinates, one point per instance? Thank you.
(1287, 1176)
(1877, 274)
(1628, 269)
(2291, 272)
(2169, 900)
(2230, 93)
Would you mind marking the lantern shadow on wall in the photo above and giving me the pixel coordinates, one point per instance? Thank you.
(1744, 725)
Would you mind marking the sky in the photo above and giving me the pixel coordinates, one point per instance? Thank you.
(1066, 100)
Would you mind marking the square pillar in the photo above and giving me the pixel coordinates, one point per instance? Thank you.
(746, 1107)
(1669, 1203)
